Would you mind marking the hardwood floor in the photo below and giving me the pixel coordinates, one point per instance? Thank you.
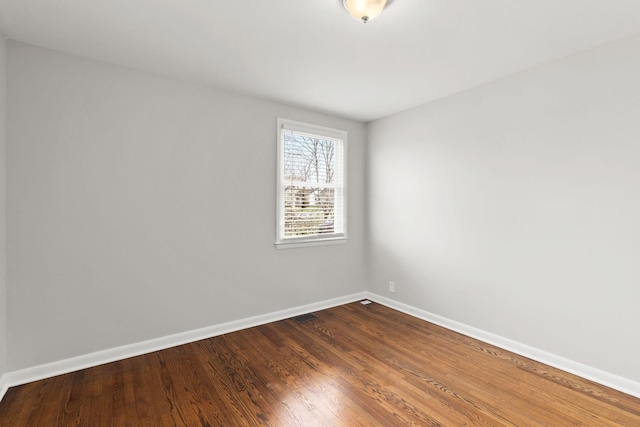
(355, 365)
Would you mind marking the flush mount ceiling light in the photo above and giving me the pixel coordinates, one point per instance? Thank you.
(365, 10)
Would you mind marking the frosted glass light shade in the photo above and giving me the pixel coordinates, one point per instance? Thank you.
(365, 10)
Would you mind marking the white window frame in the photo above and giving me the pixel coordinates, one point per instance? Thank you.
(340, 136)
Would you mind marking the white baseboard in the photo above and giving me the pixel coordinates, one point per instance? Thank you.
(616, 382)
(4, 386)
(27, 375)
(23, 376)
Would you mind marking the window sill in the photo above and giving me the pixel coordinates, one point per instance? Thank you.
(314, 242)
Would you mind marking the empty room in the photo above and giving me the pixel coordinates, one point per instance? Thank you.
(319, 213)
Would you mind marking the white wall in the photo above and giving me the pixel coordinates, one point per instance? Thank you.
(141, 206)
(515, 207)
(512, 208)
(3, 216)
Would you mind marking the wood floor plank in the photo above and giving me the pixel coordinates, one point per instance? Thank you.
(536, 387)
(409, 359)
(326, 394)
(355, 365)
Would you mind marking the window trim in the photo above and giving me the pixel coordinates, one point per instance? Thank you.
(316, 130)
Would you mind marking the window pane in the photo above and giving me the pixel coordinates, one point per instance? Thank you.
(308, 211)
(308, 159)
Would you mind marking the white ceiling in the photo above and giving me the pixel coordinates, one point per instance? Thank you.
(311, 53)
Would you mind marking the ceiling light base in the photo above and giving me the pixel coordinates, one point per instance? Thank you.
(365, 10)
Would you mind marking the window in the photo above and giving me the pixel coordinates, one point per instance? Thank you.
(311, 185)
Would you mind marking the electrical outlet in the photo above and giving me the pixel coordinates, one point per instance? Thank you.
(392, 287)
